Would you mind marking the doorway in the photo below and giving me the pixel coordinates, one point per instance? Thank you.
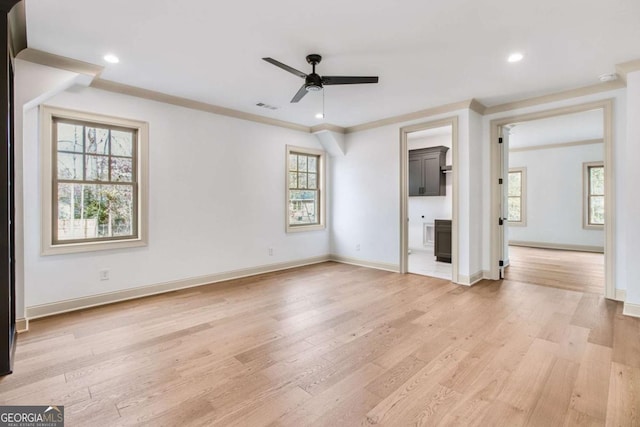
(428, 229)
(552, 227)
(433, 209)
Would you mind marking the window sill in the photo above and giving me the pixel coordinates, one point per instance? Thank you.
(73, 248)
(300, 228)
(593, 227)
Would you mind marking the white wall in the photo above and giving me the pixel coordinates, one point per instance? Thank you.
(427, 208)
(622, 193)
(366, 203)
(554, 195)
(216, 201)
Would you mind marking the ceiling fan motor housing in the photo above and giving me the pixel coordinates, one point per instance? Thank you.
(313, 82)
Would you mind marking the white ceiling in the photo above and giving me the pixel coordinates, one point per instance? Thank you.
(560, 129)
(427, 53)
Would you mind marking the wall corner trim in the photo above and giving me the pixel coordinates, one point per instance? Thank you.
(621, 295)
(558, 246)
(59, 307)
(394, 268)
(22, 325)
(631, 309)
(472, 279)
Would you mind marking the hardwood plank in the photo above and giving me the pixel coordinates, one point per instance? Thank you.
(334, 344)
(555, 396)
(578, 419)
(626, 341)
(526, 383)
(571, 270)
(623, 406)
(401, 403)
(593, 379)
(267, 411)
(395, 377)
(324, 401)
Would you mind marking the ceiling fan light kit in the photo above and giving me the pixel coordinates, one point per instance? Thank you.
(314, 82)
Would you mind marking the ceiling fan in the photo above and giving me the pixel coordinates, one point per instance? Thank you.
(313, 82)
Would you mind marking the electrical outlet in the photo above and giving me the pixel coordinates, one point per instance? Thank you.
(104, 274)
(358, 247)
(270, 250)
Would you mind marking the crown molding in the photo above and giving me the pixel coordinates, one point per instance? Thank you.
(443, 109)
(327, 126)
(17, 22)
(189, 103)
(477, 106)
(554, 97)
(61, 62)
(627, 67)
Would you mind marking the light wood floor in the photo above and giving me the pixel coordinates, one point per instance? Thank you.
(575, 271)
(338, 345)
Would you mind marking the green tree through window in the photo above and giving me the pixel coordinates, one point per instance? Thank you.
(95, 182)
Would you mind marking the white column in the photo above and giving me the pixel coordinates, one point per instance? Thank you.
(631, 199)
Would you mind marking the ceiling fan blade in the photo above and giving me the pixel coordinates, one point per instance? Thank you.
(301, 92)
(285, 67)
(347, 80)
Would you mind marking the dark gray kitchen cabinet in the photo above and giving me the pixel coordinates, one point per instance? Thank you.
(442, 244)
(426, 176)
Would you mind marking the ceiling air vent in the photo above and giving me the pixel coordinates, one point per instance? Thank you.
(267, 106)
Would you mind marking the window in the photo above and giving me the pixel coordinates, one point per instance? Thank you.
(516, 204)
(95, 171)
(594, 195)
(305, 189)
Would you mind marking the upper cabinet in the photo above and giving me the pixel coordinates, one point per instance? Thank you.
(426, 171)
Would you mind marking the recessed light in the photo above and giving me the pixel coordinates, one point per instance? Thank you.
(111, 58)
(515, 57)
(319, 116)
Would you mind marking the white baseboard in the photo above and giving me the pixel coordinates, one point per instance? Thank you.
(59, 307)
(471, 280)
(364, 263)
(621, 295)
(630, 309)
(22, 325)
(561, 246)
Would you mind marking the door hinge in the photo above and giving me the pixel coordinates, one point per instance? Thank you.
(500, 140)
(500, 181)
(501, 263)
(500, 221)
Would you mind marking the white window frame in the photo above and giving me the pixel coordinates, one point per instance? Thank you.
(321, 189)
(523, 197)
(47, 147)
(586, 184)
